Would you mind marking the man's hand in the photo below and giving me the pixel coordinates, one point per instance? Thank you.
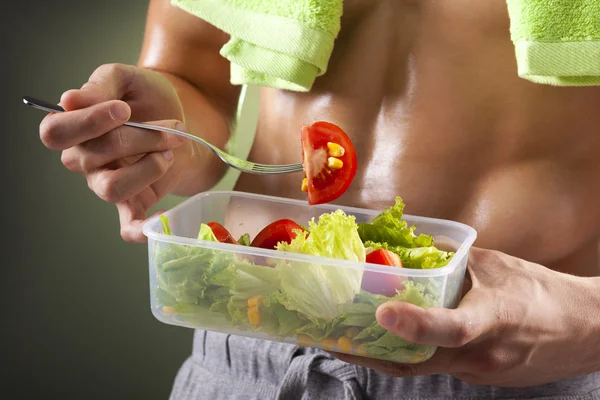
(519, 325)
(130, 167)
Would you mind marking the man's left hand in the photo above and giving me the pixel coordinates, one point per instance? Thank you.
(519, 325)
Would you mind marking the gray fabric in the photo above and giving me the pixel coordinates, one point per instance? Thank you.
(224, 367)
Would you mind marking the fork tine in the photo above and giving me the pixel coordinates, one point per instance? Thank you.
(282, 169)
(291, 167)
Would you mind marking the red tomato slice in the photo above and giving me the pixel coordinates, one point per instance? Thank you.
(384, 257)
(325, 184)
(382, 283)
(278, 231)
(221, 233)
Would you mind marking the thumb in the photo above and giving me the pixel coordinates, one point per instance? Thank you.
(438, 326)
(107, 82)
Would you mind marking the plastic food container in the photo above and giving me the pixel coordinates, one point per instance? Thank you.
(189, 288)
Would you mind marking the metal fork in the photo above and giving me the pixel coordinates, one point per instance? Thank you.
(232, 161)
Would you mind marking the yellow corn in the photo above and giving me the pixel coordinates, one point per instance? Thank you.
(351, 332)
(417, 358)
(304, 340)
(361, 351)
(334, 163)
(255, 301)
(168, 310)
(304, 185)
(271, 262)
(345, 344)
(335, 150)
(254, 316)
(328, 344)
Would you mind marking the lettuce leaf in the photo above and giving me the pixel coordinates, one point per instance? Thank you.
(419, 257)
(323, 291)
(335, 235)
(244, 240)
(388, 227)
(206, 234)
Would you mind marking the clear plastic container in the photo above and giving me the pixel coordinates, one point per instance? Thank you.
(190, 289)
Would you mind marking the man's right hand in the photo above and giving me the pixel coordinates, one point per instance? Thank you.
(130, 167)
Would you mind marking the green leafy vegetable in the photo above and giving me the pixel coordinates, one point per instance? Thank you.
(244, 240)
(334, 236)
(206, 234)
(388, 227)
(418, 257)
(316, 290)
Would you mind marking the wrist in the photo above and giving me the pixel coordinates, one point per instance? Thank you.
(198, 168)
(586, 306)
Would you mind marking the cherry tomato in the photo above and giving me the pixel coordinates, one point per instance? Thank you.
(329, 162)
(278, 231)
(382, 283)
(221, 233)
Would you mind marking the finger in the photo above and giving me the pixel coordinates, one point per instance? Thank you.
(132, 215)
(122, 184)
(133, 212)
(444, 361)
(439, 326)
(107, 82)
(120, 143)
(61, 131)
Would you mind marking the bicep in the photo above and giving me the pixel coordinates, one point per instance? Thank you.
(187, 47)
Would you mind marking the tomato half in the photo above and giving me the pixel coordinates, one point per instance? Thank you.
(382, 283)
(326, 182)
(278, 231)
(221, 233)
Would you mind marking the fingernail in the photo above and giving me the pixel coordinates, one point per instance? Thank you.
(180, 126)
(168, 154)
(119, 112)
(387, 318)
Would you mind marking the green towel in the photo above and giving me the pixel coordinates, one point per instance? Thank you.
(284, 44)
(557, 42)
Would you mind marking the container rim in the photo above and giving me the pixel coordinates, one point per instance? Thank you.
(459, 254)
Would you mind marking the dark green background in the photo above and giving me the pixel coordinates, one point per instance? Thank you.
(76, 321)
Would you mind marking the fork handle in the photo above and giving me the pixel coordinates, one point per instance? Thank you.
(49, 107)
(42, 105)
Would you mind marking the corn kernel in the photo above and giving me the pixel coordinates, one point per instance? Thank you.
(345, 344)
(328, 344)
(254, 316)
(256, 301)
(417, 358)
(334, 163)
(335, 150)
(351, 332)
(168, 310)
(304, 185)
(304, 340)
(361, 351)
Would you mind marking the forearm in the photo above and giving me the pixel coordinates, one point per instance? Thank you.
(204, 118)
(185, 50)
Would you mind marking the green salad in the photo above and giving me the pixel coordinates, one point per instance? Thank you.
(312, 304)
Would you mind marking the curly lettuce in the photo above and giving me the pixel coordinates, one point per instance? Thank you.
(322, 291)
(389, 227)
